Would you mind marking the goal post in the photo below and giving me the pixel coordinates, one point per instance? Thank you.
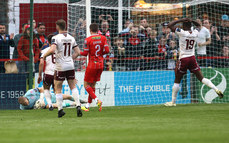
(143, 73)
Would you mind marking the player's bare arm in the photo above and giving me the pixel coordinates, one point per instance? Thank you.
(172, 24)
(76, 52)
(41, 65)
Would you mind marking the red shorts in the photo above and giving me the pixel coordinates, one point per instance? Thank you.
(62, 75)
(185, 64)
(93, 75)
(48, 80)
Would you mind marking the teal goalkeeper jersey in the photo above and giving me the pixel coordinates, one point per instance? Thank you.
(32, 95)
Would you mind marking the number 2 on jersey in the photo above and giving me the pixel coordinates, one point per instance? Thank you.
(97, 47)
(189, 44)
(67, 46)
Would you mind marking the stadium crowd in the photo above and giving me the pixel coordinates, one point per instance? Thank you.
(138, 47)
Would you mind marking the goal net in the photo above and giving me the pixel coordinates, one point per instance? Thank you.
(144, 51)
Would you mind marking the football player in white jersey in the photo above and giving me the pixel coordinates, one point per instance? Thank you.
(62, 45)
(187, 40)
(48, 78)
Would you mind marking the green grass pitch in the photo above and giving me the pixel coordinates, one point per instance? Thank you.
(193, 123)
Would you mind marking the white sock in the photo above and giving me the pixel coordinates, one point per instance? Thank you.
(209, 83)
(48, 97)
(75, 94)
(174, 92)
(88, 105)
(96, 99)
(59, 101)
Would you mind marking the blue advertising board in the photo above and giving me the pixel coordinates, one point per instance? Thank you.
(145, 87)
(12, 86)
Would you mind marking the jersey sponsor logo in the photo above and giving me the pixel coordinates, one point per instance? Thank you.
(96, 37)
(210, 95)
(134, 41)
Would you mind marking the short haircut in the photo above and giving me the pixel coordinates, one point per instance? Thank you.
(50, 38)
(21, 100)
(61, 23)
(22, 26)
(187, 24)
(2, 24)
(40, 24)
(94, 27)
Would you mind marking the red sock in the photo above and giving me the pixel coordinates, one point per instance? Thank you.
(89, 99)
(90, 92)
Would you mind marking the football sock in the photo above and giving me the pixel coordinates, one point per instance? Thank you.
(174, 92)
(59, 99)
(48, 97)
(75, 94)
(89, 99)
(88, 105)
(209, 83)
(96, 100)
(90, 92)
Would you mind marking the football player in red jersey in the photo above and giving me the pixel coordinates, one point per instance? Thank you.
(95, 46)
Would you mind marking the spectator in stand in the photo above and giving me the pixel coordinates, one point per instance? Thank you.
(143, 27)
(224, 63)
(151, 51)
(119, 54)
(42, 38)
(204, 39)
(172, 55)
(164, 30)
(43, 41)
(134, 48)
(105, 31)
(80, 32)
(24, 50)
(223, 30)
(162, 47)
(214, 48)
(5, 42)
(34, 26)
(16, 40)
(128, 25)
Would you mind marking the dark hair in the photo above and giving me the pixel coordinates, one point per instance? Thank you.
(26, 36)
(22, 26)
(94, 27)
(40, 24)
(50, 38)
(187, 24)
(61, 23)
(2, 24)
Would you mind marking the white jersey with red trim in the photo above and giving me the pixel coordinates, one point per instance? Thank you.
(65, 44)
(187, 41)
(50, 62)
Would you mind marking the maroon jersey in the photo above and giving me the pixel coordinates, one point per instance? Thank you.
(96, 46)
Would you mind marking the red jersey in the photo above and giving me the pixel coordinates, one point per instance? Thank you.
(96, 46)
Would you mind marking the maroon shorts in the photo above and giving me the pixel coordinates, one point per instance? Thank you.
(185, 64)
(48, 80)
(93, 75)
(62, 75)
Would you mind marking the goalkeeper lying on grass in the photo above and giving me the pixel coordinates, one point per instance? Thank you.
(34, 99)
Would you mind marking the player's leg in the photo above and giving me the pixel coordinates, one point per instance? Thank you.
(70, 75)
(180, 70)
(59, 77)
(207, 82)
(47, 81)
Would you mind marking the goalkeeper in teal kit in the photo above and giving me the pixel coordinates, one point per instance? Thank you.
(34, 99)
